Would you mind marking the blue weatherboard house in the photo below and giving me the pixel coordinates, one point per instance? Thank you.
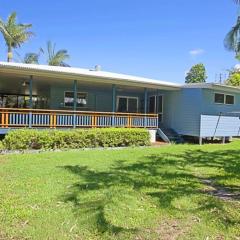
(37, 96)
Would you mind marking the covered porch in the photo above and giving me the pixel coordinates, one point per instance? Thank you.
(55, 97)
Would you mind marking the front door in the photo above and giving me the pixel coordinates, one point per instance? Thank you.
(156, 106)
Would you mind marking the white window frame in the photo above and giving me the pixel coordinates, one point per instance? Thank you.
(223, 98)
(73, 94)
(224, 102)
(128, 97)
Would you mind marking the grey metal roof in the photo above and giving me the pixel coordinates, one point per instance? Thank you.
(70, 71)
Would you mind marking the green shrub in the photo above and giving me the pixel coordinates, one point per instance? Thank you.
(81, 138)
(1, 146)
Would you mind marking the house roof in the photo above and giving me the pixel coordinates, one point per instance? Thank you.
(75, 73)
(214, 86)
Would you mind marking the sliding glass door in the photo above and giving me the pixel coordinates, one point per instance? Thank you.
(156, 106)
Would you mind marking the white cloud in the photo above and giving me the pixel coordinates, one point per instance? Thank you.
(196, 52)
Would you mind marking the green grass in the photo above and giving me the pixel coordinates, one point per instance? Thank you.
(135, 193)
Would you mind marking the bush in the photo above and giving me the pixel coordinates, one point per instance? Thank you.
(1, 146)
(82, 138)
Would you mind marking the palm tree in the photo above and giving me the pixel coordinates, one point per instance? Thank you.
(56, 58)
(31, 58)
(232, 39)
(14, 34)
(53, 58)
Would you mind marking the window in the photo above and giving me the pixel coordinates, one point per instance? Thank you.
(156, 106)
(22, 101)
(127, 104)
(229, 99)
(132, 105)
(69, 99)
(219, 98)
(152, 104)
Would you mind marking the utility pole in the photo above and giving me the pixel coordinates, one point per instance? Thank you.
(220, 78)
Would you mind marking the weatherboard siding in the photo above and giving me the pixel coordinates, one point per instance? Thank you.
(183, 110)
(211, 108)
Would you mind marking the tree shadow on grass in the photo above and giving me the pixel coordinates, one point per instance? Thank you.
(164, 177)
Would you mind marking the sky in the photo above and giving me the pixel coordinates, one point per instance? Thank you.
(159, 39)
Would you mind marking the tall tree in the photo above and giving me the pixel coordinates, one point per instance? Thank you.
(56, 58)
(234, 77)
(197, 74)
(14, 34)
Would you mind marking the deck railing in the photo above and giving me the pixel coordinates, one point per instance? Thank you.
(39, 118)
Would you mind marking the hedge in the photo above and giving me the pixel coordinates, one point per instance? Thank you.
(1, 146)
(26, 139)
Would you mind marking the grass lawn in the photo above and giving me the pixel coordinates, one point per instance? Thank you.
(136, 193)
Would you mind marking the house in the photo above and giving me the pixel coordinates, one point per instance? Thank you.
(39, 96)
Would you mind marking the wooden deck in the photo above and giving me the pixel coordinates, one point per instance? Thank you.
(41, 118)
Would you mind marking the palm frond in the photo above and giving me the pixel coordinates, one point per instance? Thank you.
(232, 39)
(15, 34)
(56, 58)
(31, 58)
(11, 20)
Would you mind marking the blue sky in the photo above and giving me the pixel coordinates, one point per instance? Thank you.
(160, 39)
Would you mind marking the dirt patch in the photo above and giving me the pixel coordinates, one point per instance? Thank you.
(220, 192)
(171, 229)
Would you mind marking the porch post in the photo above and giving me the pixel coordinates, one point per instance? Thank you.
(145, 106)
(157, 106)
(30, 100)
(75, 95)
(113, 103)
(74, 102)
(30, 92)
(157, 101)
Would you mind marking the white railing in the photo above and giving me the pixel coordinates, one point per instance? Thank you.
(39, 118)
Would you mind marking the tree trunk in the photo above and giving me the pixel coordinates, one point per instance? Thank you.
(10, 54)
